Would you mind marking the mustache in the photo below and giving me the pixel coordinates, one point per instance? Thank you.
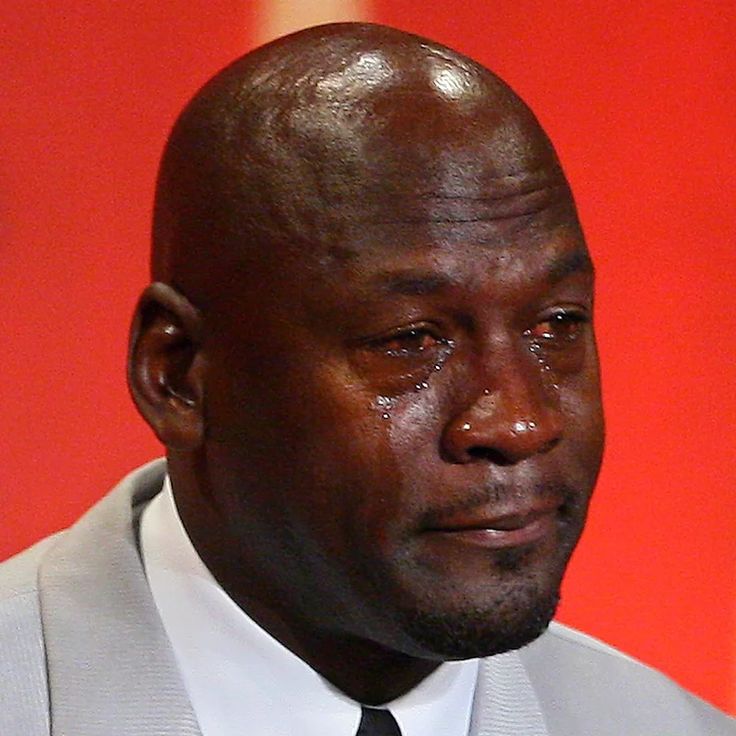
(503, 496)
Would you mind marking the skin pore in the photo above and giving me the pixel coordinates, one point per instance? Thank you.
(369, 352)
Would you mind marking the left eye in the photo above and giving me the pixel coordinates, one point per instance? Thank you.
(562, 327)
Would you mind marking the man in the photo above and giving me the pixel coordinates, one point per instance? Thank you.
(368, 349)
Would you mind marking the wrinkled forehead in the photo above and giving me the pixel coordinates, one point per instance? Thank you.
(374, 138)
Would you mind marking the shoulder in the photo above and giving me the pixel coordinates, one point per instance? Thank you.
(23, 688)
(52, 577)
(19, 574)
(580, 680)
(112, 515)
(19, 599)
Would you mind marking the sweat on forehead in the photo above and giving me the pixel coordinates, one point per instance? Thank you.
(321, 131)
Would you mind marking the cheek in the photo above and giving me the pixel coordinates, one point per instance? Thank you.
(413, 430)
(580, 402)
(414, 444)
(316, 449)
(375, 466)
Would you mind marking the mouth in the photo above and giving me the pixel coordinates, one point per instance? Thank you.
(500, 531)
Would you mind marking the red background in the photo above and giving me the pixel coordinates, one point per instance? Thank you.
(638, 97)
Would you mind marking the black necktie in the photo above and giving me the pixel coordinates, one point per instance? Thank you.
(377, 722)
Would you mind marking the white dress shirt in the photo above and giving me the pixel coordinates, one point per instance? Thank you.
(242, 681)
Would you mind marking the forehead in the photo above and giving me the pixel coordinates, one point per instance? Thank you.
(406, 194)
(444, 204)
(379, 137)
(380, 159)
(470, 258)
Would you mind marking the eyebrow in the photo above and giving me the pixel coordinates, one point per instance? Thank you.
(413, 283)
(421, 283)
(576, 261)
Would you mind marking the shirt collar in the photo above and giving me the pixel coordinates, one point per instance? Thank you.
(240, 678)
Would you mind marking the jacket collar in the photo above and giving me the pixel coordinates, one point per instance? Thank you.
(505, 701)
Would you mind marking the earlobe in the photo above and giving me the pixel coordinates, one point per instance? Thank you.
(165, 366)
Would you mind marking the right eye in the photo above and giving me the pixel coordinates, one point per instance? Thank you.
(399, 359)
(408, 343)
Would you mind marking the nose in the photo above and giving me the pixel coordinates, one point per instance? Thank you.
(515, 417)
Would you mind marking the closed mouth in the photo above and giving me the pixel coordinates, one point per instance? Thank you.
(493, 530)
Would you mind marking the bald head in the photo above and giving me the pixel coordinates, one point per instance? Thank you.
(305, 140)
(373, 337)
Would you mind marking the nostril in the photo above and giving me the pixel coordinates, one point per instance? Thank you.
(490, 454)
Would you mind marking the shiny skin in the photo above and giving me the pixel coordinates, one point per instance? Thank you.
(383, 363)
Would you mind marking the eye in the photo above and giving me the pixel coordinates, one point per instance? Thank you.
(411, 342)
(562, 327)
(400, 359)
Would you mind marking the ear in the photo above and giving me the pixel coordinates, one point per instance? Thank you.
(165, 366)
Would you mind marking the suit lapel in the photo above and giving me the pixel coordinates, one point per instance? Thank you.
(111, 668)
(505, 702)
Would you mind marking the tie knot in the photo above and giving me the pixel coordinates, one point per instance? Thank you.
(377, 722)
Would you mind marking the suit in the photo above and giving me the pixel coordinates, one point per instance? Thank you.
(84, 653)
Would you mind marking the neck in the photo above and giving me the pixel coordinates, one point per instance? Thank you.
(364, 670)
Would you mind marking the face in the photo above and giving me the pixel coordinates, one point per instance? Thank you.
(403, 420)
(404, 441)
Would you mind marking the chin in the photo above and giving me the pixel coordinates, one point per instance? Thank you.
(487, 611)
(454, 602)
(513, 618)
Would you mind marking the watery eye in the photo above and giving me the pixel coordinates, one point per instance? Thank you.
(560, 326)
(403, 358)
(410, 342)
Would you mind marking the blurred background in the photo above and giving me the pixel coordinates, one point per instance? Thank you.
(639, 100)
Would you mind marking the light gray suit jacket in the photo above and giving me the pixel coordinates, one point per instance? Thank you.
(83, 653)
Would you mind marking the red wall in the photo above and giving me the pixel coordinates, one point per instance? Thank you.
(639, 99)
(90, 90)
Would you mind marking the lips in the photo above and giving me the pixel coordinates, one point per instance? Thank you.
(499, 530)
